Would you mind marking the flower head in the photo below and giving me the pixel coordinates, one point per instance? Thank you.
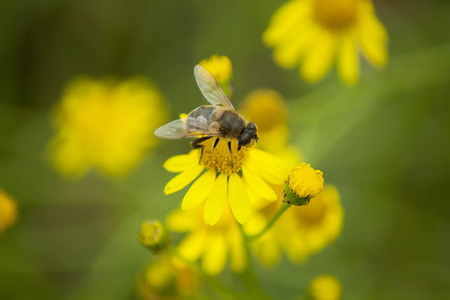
(213, 245)
(8, 211)
(315, 33)
(167, 279)
(308, 229)
(267, 108)
(221, 69)
(226, 177)
(105, 125)
(325, 287)
(303, 184)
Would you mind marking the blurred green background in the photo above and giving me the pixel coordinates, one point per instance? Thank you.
(385, 143)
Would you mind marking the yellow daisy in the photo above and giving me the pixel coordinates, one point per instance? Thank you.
(214, 245)
(8, 211)
(267, 108)
(315, 33)
(167, 279)
(299, 231)
(223, 179)
(105, 125)
(310, 228)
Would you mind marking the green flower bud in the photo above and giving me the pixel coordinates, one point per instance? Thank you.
(303, 184)
(153, 235)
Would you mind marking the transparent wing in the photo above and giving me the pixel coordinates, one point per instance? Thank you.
(210, 88)
(186, 128)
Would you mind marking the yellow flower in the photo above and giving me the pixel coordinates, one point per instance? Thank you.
(167, 279)
(225, 178)
(300, 231)
(8, 211)
(105, 125)
(221, 69)
(267, 108)
(314, 33)
(308, 229)
(325, 287)
(214, 245)
(303, 184)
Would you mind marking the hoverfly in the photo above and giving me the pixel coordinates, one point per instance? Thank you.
(217, 120)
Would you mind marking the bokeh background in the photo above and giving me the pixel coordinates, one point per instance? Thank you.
(385, 144)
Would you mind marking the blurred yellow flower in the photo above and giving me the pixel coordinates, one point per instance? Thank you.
(300, 231)
(105, 125)
(8, 211)
(221, 69)
(214, 245)
(267, 108)
(314, 33)
(308, 229)
(167, 279)
(325, 287)
(225, 178)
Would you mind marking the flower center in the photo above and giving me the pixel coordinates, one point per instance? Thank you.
(219, 158)
(335, 14)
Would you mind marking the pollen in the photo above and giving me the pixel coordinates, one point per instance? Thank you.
(335, 14)
(219, 158)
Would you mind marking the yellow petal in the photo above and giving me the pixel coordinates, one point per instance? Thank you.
(215, 256)
(238, 198)
(267, 166)
(238, 259)
(182, 179)
(215, 201)
(180, 221)
(372, 37)
(198, 191)
(258, 185)
(283, 20)
(193, 245)
(348, 63)
(319, 57)
(288, 52)
(180, 163)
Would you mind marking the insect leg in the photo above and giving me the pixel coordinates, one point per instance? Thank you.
(196, 144)
(231, 154)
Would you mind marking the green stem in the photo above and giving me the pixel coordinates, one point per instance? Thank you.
(248, 276)
(272, 221)
(214, 283)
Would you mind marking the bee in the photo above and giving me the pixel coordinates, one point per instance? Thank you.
(218, 120)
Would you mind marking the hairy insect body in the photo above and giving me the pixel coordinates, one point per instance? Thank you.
(230, 123)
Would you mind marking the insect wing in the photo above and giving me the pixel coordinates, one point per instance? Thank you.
(173, 130)
(210, 88)
(186, 128)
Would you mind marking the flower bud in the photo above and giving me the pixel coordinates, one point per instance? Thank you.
(153, 235)
(221, 69)
(325, 287)
(303, 183)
